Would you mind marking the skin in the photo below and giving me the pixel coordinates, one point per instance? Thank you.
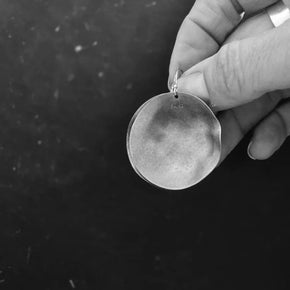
(241, 67)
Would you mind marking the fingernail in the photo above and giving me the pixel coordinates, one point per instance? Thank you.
(169, 84)
(194, 84)
(177, 74)
(249, 151)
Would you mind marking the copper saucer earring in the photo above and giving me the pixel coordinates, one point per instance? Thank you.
(174, 140)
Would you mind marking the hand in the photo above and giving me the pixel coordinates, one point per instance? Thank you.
(241, 76)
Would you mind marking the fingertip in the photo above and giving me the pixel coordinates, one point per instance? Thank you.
(264, 144)
(169, 83)
(195, 85)
(268, 137)
(173, 68)
(249, 151)
(259, 150)
(170, 80)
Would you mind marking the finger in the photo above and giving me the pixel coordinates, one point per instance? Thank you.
(271, 133)
(242, 70)
(253, 26)
(236, 123)
(206, 27)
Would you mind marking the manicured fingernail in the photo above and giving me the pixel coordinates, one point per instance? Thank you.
(194, 84)
(249, 151)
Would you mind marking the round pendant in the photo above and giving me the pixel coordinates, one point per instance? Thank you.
(174, 141)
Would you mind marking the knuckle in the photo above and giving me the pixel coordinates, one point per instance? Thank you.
(229, 73)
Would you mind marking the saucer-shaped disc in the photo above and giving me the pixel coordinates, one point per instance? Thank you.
(174, 142)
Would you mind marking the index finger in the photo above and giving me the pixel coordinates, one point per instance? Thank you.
(206, 27)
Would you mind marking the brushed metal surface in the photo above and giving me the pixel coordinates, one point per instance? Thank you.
(173, 142)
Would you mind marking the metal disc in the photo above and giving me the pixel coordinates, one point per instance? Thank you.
(173, 141)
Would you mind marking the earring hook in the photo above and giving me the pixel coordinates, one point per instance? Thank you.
(174, 85)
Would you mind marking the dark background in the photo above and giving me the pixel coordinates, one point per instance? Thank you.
(73, 214)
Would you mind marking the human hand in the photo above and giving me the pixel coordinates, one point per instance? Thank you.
(244, 73)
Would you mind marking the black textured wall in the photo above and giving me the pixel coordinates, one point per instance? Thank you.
(73, 214)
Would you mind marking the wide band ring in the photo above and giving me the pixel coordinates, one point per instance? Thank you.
(278, 13)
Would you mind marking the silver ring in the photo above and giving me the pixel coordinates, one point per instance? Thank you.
(278, 13)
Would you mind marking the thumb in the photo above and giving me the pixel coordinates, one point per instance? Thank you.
(242, 70)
